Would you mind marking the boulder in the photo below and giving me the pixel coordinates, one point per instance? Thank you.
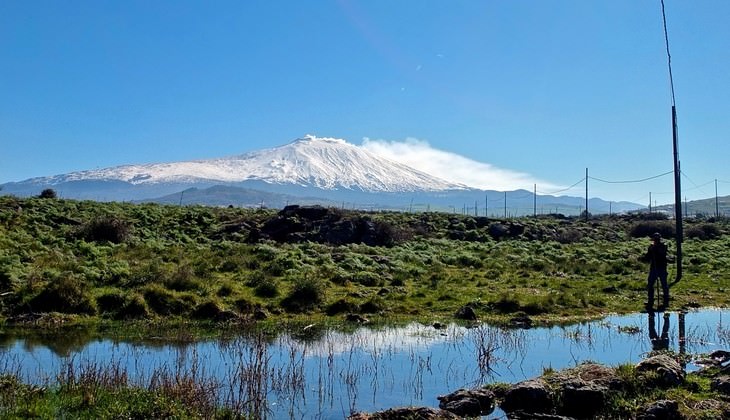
(661, 410)
(468, 402)
(406, 413)
(669, 371)
(583, 399)
(531, 396)
(466, 312)
(721, 384)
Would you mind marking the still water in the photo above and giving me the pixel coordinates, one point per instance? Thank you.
(330, 374)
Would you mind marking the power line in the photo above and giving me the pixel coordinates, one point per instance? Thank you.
(631, 181)
(563, 190)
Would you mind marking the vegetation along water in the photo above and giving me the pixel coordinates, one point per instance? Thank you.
(125, 270)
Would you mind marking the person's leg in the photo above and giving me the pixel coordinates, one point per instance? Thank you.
(650, 288)
(665, 287)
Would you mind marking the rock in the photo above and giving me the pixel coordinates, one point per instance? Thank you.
(466, 312)
(721, 384)
(670, 372)
(498, 231)
(227, 316)
(406, 413)
(468, 402)
(521, 321)
(438, 325)
(531, 396)
(583, 399)
(661, 410)
(524, 415)
(260, 314)
(356, 318)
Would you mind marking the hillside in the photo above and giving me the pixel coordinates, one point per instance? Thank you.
(147, 261)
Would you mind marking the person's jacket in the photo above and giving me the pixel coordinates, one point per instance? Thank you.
(657, 256)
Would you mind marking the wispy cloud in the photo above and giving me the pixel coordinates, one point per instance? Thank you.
(452, 167)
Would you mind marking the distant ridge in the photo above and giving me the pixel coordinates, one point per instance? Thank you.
(307, 170)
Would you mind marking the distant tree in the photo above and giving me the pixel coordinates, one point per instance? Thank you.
(48, 193)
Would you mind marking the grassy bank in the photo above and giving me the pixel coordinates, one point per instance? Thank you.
(91, 262)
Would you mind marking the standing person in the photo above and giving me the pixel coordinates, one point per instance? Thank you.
(657, 257)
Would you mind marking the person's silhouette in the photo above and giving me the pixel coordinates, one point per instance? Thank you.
(659, 342)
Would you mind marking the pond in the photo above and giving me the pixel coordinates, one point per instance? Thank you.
(329, 374)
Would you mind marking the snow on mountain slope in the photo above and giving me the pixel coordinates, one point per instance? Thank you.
(325, 163)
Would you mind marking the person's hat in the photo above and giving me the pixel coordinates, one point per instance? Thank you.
(656, 235)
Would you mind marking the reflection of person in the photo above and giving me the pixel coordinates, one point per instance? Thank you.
(659, 342)
(657, 258)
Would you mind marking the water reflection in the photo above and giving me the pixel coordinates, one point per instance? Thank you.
(321, 373)
(659, 342)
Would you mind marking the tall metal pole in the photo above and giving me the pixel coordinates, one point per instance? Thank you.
(534, 201)
(717, 205)
(677, 193)
(505, 204)
(675, 146)
(586, 194)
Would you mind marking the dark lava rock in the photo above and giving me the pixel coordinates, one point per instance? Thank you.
(466, 312)
(227, 316)
(521, 321)
(407, 413)
(661, 410)
(356, 318)
(721, 384)
(468, 402)
(260, 314)
(525, 415)
(530, 396)
(670, 372)
(583, 399)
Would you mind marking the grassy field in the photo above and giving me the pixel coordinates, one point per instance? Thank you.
(87, 261)
(178, 270)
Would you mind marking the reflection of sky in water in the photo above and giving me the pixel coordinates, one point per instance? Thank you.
(377, 369)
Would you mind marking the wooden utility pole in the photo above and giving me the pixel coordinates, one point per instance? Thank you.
(534, 201)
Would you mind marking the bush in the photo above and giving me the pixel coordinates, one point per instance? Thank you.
(66, 294)
(111, 302)
(183, 280)
(263, 286)
(340, 306)
(306, 293)
(703, 231)
(48, 193)
(207, 310)
(106, 229)
(164, 302)
(649, 227)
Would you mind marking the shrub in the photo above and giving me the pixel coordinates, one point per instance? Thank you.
(306, 293)
(183, 280)
(164, 302)
(48, 193)
(340, 306)
(649, 227)
(703, 231)
(65, 294)
(368, 279)
(111, 302)
(106, 229)
(263, 285)
(207, 310)
(134, 308)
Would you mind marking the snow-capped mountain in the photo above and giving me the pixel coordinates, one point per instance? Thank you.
(308, 170)
(309, 162)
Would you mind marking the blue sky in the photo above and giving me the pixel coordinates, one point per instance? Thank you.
(511, 93)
